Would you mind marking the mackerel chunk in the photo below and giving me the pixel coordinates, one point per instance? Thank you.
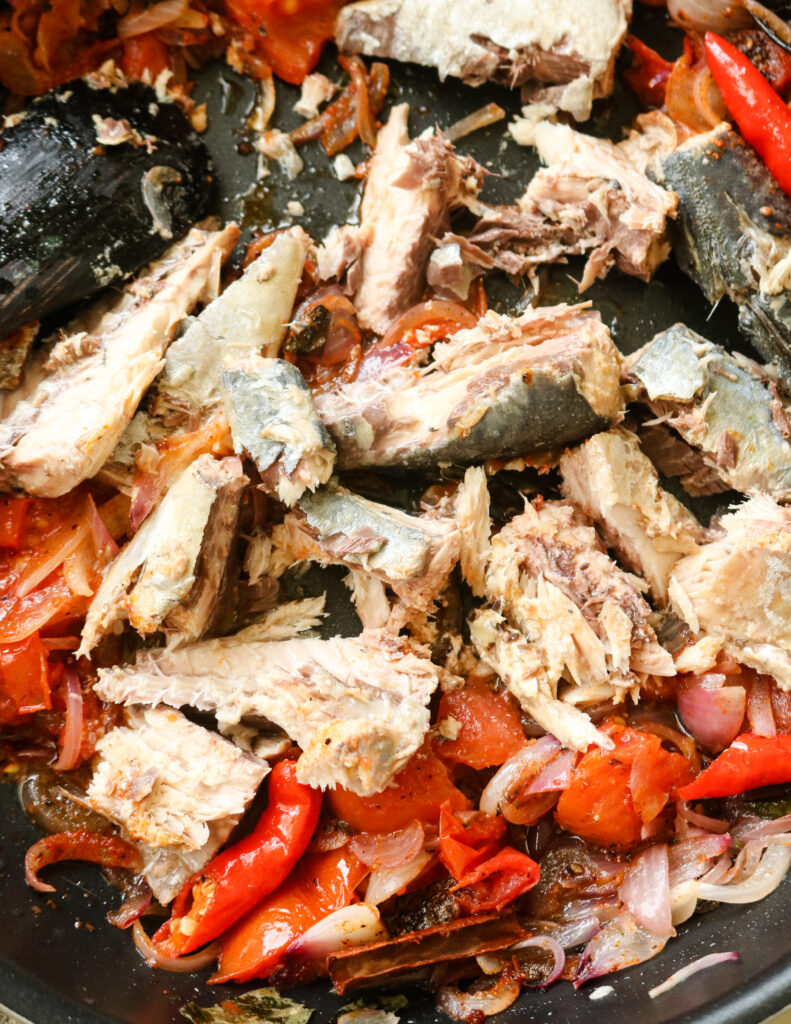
(174, 573)
(273, 419)
(735, 412)
(541, 41)
(176, 789)
(412, 554)
(504, 388)
(64, 432)
(248, 319)
(737, 589)
(733, 234)
(615, 484)
(357, 707)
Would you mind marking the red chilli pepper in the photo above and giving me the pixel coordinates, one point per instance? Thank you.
(762, 117)
(241, 876)
(496, 882)
(748, 763)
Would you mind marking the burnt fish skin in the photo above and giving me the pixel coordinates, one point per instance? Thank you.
(507, 387)
(732, 234)
(728, 407)
(94, 184)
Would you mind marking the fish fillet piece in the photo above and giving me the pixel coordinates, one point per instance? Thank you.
(273, 419)
(176, 788)
(173, 574)
(64, 432)
(472, 517)
(506, 387)
(248, 319)
(540, 41)
(615, 484)
(356, 706)
(410, 191)
(734, 411)
(594, 198)
(414, 555)
(738, 587)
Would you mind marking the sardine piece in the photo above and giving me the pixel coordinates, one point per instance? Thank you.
(412, 554)
(174, 573)
(69, 426)
(733, 234)
(174, 787)
(273, 419)
(738, 587)
(506, 387)
(727, 406)
(472, 517)
(356, 706)
(478, 40)
(615, 484)
(14, 350)
(248, 319)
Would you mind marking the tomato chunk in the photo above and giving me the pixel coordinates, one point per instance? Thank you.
(24, 682)
(490, 728)
(13, 519)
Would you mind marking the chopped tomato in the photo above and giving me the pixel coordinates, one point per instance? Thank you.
(497, 882)
(463, 844)
(418, 791)
(490, 727)
(318, 884)
(24, 682)
(613, 793)
(13, 519)
(749, 763)
(145, 53)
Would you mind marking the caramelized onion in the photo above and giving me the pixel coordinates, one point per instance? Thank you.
(387, 882)
(645, 890)
(478, 119)
(136, 902)
(181, 964)
(109, 851)
(152, 18)
(72, 733)
(355, 925)
(517, 771)
(712, 15)
(470, 1005)
(389, 850)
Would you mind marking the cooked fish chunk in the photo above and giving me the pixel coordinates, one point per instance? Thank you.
(732, 410)
(273, 419)
(593, 198)
(737, 588)
(68, 427)
(248, 319)
(472, 517)
(477, 40)
(14, 350)
(173, 574)
(357, 707)
(409, 193)
(175, 788)
(414, 555)
(506, 387)
(615, 484)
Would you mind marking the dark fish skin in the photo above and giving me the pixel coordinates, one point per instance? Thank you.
(75, 215)
(723, 188)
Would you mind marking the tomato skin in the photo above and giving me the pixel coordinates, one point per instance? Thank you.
(419, 791)
(497, 881)
(13, 519)
(491, 729)
(464, 845)
(142, 53)
(613, 793)
(24, 679)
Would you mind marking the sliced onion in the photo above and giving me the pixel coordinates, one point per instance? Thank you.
(708, 99)
(691, 856)
(102, 538)
(645, 890)
(66, 543)
(178, 964)
(713, 15)
(556, 775)
(435, 311)
(151, 19)
(72, 733)
(711, 712)
(328, 837)
(701, 820)
(387, 882)
(765, 879)
(551, 945)
(136, 902)
(760, 829)
(355, 925)
(683, 743)
(621, 943)
(467, 1006)
(575, 933)
(516, 772)
(759, 708)
(686, 972)
(109, 851)
(391, 849)
(60, 643)
(478, 119)
(720, 869)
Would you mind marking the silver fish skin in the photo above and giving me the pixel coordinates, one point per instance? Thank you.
(64, 432)
(356, 706)
(173, 574)
(480, 40)
(506, 387)
(273, 419)
(176, 789)
(248, 319)
(732, 410)
(412, 554)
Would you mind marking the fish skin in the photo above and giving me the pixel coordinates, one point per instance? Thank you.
(733, 226)
(272, 417)
(171, 574)
(68, 427)
(712, 397)
(493, 391)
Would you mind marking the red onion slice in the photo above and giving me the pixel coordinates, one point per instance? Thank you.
(72, 733)
(551, 945)
(67, 542)
(389, 850)
(109, 851)
(621, 943)
(691, 856)
(759, 829)
(686, 972)
(468, 1006)
(355, 925)
(516, 772)
(102, 538)
(701, 820)
(713, 15)
(645, 890)
(767, 876)
(179, 965)
(152, 18)
(387, 882)
(556, 775)
(759, 708)
(712, 715)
